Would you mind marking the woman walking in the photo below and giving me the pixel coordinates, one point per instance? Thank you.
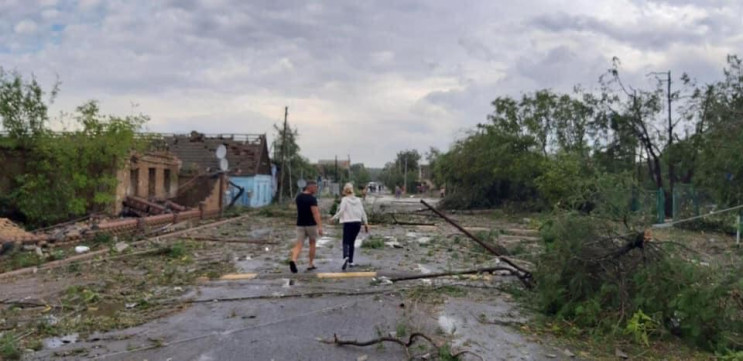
(351, 214)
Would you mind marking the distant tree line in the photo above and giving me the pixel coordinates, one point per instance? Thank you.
(549, 149)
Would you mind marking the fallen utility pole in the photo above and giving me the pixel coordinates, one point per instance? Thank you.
(524, 275)
(454, 273)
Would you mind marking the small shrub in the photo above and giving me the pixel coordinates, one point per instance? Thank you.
(22, 259)
(640, 326)
(334, 207)
(730, 356)
(102, 239)
(57, 255)
(177, 250)
(373, 243)
(445, 353)
(9, 348)
(402, 330)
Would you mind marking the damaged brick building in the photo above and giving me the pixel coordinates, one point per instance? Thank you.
(249, 179)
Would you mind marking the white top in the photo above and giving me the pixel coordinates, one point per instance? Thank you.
(351, 210)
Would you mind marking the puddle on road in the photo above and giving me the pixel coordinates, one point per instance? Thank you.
(56, 342)
(423, 269)
(261, 233)
(448, 324)
(323, 241)
(424, 240)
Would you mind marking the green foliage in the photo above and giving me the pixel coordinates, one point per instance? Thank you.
(373, 243)
(80, 295)
(718, 151)
(554, 150)
(360, 176)
(177, 250)
(445, 353)
(22, 107)
(334, 207)
(64, 175)
(402, 330)
(500, 167)
(640, 326)
(393, 173)
(635, 293)
(729, 355)
(102, 239)
(9, 348)
(286, 149)
(21, 259)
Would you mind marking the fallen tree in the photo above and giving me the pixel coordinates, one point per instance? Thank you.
(596, 276)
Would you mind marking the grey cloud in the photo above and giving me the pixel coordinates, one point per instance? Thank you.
(560, 66)
(443, 61)
(645, 35)
(476, 48)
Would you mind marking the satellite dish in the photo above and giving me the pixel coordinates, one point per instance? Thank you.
(301, 183)
(223, 165)
(221, 151)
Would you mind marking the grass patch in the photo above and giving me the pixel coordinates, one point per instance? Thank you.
(402, 330)
(9, 347)
(445, 353)
(434, 295)
(102, 239)
(373, 243)
(20, 259)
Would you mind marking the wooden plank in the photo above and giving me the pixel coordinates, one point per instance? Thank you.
(238, 276)
(347, 275)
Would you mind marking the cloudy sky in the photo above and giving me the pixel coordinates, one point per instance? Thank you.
(361, 78)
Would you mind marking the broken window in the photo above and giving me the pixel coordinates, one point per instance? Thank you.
(166, 179)
(151, 183)
(133, 182)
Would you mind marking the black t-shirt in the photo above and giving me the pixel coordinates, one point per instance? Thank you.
(304, 210)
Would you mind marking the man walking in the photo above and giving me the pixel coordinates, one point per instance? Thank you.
(309, 225)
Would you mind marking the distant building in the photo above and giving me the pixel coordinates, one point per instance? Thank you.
(329, 168)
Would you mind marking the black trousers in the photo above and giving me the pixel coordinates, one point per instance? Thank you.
(350, 231)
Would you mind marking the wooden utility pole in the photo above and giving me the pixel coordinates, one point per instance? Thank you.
(671, 168)
(283, 156)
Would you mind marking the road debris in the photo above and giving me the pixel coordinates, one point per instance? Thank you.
(121, 247)
(524, 275)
